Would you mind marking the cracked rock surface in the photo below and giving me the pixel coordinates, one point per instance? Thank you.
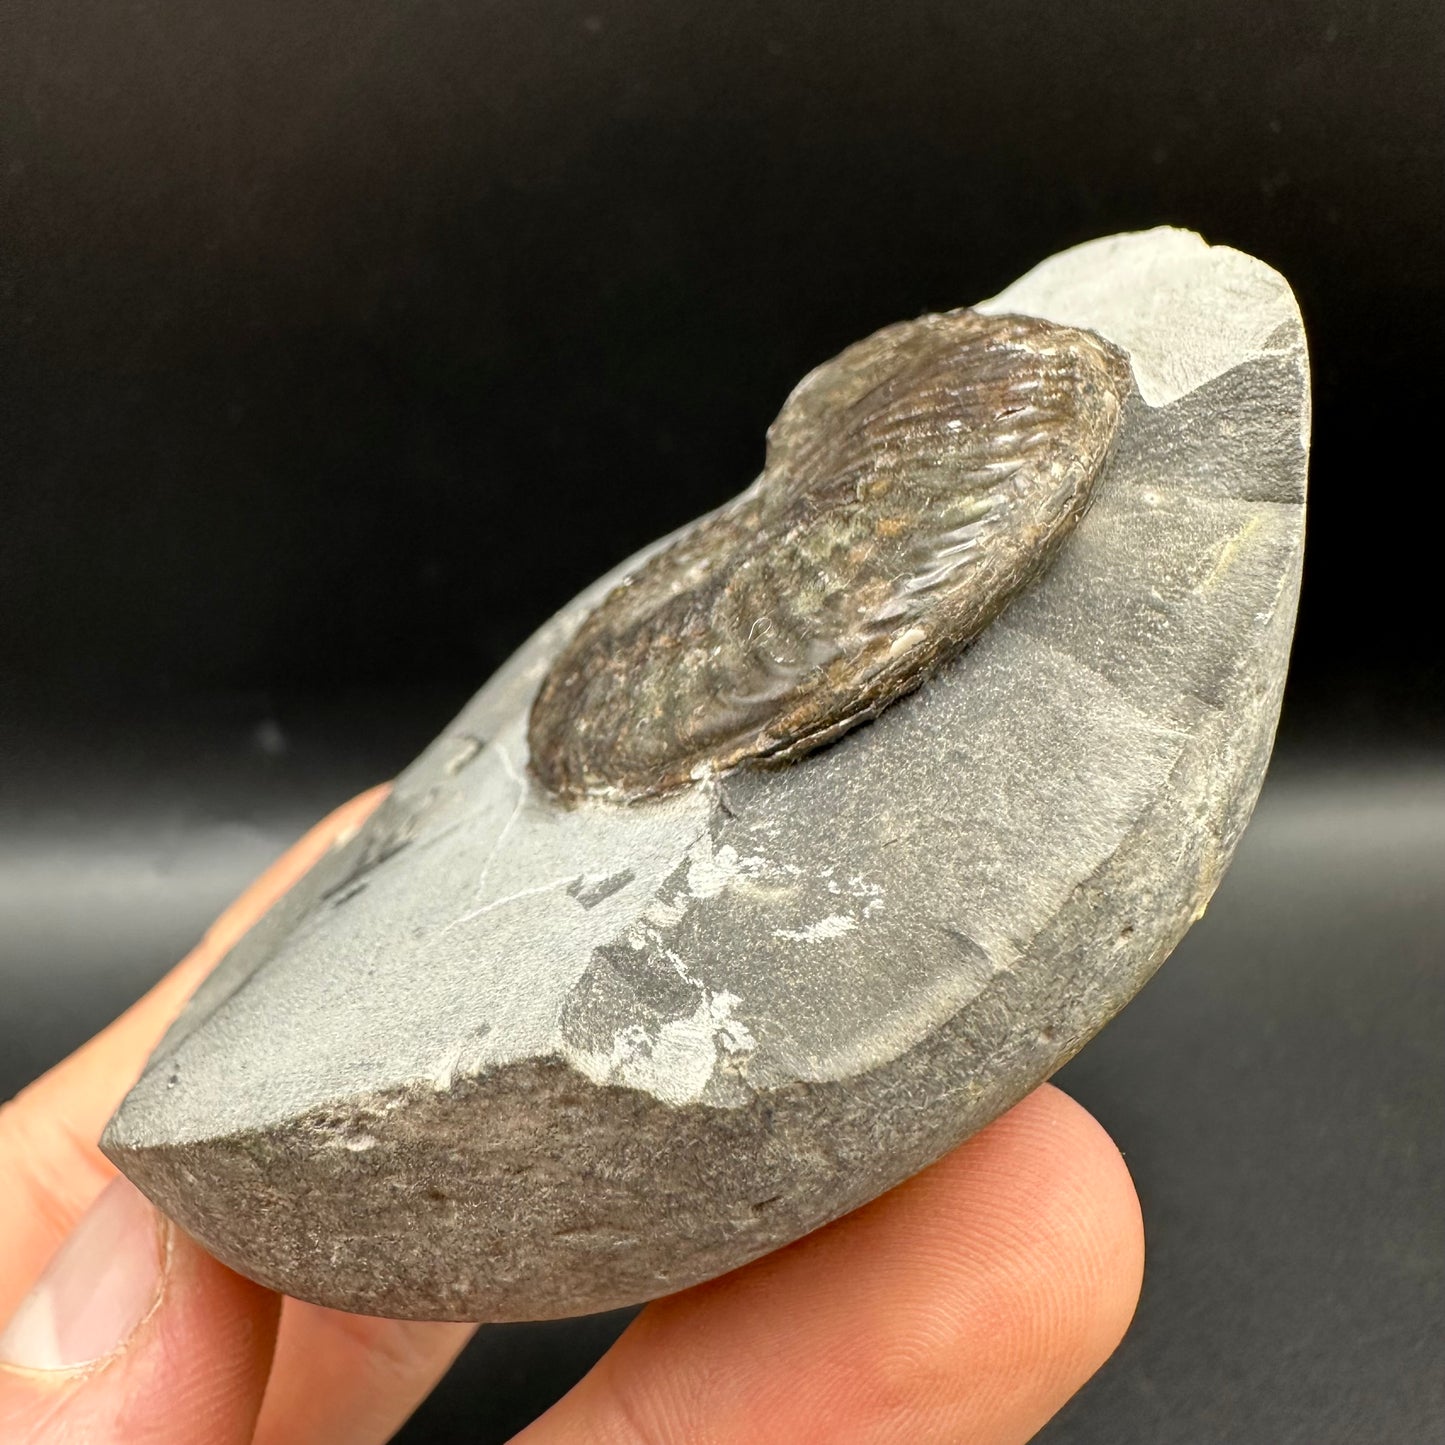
(499, 1059)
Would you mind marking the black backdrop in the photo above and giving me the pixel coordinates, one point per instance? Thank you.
(350, 337)
(343, 340)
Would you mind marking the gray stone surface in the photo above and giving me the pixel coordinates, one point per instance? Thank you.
(496, 1059)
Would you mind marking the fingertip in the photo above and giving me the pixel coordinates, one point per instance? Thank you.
(972, 1301)
(1055, 1208)
(1110, 1245)
(968, 1303)
(208, 1352)
(136, 1335)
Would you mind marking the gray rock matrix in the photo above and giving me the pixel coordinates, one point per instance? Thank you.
(497, 1059)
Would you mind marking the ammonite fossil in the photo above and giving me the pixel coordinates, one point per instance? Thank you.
(913, 485)
(558, 1031)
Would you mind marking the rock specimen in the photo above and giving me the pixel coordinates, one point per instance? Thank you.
(580, 1018)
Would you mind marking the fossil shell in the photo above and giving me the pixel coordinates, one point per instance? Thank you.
(913, 486)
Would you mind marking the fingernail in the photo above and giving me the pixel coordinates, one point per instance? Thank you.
(102, 1283)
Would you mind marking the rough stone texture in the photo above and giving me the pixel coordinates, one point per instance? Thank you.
(496, 1059)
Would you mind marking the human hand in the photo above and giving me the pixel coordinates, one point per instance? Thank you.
(966, 1305)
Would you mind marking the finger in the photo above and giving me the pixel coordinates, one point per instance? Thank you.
(135, 1335)
(48, 1155)
(351, 1378)
(966, 1305)
(336, 1377)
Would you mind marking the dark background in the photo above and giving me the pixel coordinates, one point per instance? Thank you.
(344, 340)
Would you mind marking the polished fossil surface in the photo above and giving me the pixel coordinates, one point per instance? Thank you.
(914, 485)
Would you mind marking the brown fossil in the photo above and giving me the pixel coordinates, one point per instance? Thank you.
(913, 485)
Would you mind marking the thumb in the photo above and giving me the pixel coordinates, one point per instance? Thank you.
(134, 1334)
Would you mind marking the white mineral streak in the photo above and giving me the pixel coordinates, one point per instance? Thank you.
(677, 1062)
(835, 925)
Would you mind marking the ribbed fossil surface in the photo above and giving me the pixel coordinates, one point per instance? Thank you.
(914, 484)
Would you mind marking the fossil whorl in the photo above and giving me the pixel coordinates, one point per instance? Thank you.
(913, 485)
